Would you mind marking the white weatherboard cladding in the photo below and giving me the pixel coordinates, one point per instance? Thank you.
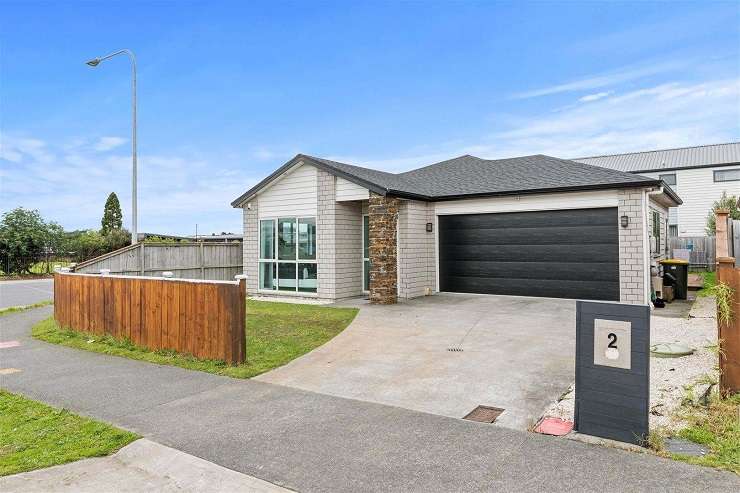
(346, 190)
(673, 212)
(697, 189)
(520, 203)
(292, 195)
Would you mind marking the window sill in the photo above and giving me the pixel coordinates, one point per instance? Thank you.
(287, 294)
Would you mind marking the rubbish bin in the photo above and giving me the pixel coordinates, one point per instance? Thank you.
(676, 274)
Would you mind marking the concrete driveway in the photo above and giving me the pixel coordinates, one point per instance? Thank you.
(517, 354)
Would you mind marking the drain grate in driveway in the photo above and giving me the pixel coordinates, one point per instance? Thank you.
(484, 414)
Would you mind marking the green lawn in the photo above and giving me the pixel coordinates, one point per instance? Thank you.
(44, 267)
(276, 334)
(34, 435)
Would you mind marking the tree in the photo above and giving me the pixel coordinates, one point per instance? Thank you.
(84, 245)
(112, 215)
(26, 238)
(728, 202)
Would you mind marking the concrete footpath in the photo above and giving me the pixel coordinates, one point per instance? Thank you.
(140, 466)
(310, 442)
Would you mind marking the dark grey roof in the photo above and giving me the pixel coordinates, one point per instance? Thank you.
(469, 176)
(669, 159)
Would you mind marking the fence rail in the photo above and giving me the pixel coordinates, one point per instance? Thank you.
(202, 260)
(700, 248)
(202, 318)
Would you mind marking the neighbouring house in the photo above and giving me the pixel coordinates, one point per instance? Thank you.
(700, 174)
(530, 226)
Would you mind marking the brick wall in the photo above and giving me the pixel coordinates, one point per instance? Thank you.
(416, 250)
(383, 213)
(631, 252)
(250, 245)
(339, 242)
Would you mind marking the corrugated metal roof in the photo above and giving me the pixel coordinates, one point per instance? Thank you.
(684, 157)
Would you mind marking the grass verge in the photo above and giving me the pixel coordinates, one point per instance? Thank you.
(710, 280)
(23, 308)
(34, 435)
(277, 333)
(715, 426)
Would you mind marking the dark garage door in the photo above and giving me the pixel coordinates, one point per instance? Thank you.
(557, 254)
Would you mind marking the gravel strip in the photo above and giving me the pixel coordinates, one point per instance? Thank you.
(670, 376)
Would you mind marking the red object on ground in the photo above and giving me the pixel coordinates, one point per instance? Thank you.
(8, 344)
(554, 426)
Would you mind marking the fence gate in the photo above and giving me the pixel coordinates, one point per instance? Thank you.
(612, 370)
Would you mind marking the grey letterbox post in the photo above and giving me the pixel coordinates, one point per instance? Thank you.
(612, 370)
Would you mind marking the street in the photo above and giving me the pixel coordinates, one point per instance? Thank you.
(26, 292)
(311, 442)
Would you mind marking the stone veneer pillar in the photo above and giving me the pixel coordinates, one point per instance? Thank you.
(383, 217)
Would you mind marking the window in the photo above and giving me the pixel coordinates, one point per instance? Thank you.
(727, 175)
(669, 179)
(655, 233)
(673, 230)
(288, 264)
(365, 253)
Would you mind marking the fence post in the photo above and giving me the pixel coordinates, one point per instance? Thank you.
(729, 333)
(141, 257)
(241, 336)
(720, 223)
(202, 262)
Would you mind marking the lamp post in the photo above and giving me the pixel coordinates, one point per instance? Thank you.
(94, 63)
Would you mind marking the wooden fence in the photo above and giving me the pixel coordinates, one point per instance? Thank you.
(729, 333)
(205, 319)
(701, 250)
(201, 260)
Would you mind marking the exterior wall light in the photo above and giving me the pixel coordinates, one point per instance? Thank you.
(429, 227)
(625, 221)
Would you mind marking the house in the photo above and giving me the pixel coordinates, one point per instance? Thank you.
(532, 226)
(700, 174)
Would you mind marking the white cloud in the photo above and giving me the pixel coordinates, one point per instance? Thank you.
(668, 115)
(105, 144)
(263, 154)
(69, 184)
(594, 97)
(619, 76)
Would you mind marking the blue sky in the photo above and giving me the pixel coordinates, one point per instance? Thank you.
(228, 91)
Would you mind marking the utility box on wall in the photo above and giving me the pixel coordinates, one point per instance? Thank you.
(613, 370)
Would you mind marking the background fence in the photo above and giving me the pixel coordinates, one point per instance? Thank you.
(701, 250)
(202, 260)
(205, 319)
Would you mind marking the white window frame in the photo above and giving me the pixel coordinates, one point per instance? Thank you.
(719, 172)
(675, 179)
(275, 260)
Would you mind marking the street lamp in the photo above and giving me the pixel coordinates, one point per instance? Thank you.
(94, 63)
